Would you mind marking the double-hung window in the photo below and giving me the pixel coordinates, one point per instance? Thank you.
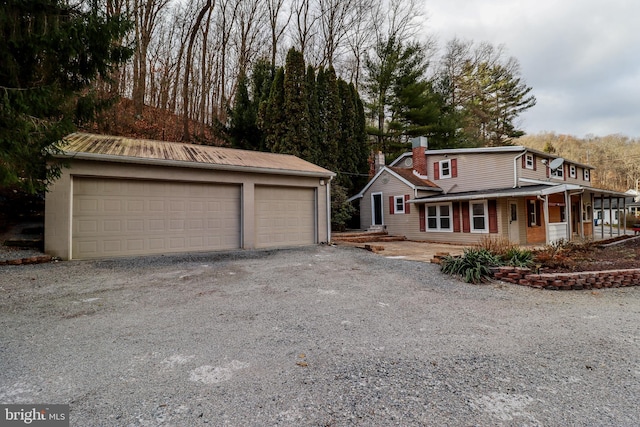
(439, 217)
(558, 173)
(399, 204)
(479, 217)
(529, 161)
(572, 171)
(445, 168)
(586, 174)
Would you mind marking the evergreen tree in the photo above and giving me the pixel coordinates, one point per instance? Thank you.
(242, 129)
(51, 54)
(314, 116)
(295, 139)
(331, 125)
(271, 115)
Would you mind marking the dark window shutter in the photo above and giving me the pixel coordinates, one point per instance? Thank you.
(548, 169)
(565, 168)
(456, 217)
(466, 223)
(392, 205)
(454, 168)
(436, 170)
(407, 208)
(493, 216)
(535, 161)
(421, 214)
(524, 161)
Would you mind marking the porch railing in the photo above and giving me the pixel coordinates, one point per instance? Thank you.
(558, 231)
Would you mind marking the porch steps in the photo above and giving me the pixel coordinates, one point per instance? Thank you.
(366, 237)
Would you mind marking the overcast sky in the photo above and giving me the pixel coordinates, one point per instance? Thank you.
(581, 57)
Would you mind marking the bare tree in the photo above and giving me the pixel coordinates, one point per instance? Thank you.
(274, 8)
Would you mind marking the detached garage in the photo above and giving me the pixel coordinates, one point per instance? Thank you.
(123, 197)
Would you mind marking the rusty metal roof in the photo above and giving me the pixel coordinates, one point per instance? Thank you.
(117, 148)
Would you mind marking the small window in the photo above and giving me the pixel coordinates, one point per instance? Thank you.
(572, 171)
(558, 173)
(528, 161)
(439, 217)
(533, 213)
(479, 217)
(445, 169)
(586, 174)
(399, 204)
(586, 212)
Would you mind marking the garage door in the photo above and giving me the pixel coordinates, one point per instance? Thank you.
(115, 217)
(285, 216)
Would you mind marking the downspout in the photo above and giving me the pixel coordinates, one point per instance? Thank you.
(328, 210)
(515, 168)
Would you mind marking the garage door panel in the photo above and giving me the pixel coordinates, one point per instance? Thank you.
(153, 217)
(285, 216)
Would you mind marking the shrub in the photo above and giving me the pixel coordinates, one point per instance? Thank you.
(472, 266)
(496, 245)
(517, 257)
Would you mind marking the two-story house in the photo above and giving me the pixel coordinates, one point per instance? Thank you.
(460, 195)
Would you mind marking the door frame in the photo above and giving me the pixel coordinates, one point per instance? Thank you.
(373, 208)
(513, 237)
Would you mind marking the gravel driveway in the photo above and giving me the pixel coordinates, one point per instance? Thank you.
(320, 336)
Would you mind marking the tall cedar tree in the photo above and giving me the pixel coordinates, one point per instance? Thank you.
(296, 108)
(329, 101)
(271, 116)
(242, 129)
(314, 116)
(51, 54)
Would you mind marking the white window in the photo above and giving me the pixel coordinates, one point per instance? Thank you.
(586, 174)
(445, 168)
(479, 217)
(586, 212)
(528, 161)
(558, 173)
(399, 204)
(439, 217)
(572, 171)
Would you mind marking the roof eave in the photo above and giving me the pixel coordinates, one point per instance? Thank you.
(193, 165)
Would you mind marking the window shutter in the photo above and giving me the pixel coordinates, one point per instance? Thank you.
(454, 168)
(565, 172)
(407, 208)
(538, 213)
(392, 205)
(466, 223)
(436, 170)
(421, 214)
(493, 216)
(524, 161)
(548, 169)
(456, 217)
(535, 161)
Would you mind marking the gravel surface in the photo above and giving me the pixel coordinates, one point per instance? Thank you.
(320, 336)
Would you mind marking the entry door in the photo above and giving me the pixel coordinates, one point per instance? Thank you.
(376, 209)
(514, 226)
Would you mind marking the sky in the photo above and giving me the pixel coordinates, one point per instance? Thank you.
(581, 57)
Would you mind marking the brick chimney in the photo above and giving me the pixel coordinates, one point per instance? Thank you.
(418, 147)
(376, 162)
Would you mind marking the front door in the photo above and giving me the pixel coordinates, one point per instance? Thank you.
(376, 209)
(514, 225)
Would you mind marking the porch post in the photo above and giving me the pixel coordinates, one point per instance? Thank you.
(567, 214)
(610, 218)
(624, 214)
(602, 215)
(581, 214)
(546, 218)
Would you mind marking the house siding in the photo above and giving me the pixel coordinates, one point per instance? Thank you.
(540, 172)
(474, 171)
(388, 185)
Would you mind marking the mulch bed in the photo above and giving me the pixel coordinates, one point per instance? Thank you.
(597, 256)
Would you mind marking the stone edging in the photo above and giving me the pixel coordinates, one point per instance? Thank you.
(29, 260)
(569, 281)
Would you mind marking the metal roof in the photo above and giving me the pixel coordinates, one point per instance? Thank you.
(130, 150)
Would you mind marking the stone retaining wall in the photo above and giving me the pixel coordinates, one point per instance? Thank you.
(569, 281)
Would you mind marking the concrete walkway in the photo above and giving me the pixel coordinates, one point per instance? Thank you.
(411, 250)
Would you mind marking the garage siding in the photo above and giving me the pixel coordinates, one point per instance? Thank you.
(117, 217)
(285, 216)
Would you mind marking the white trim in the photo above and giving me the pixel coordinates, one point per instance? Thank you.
(373, 208)
(485, 215)
(528, 156)
(395, 204)
(586, 174)
(573, 171)
(441, 168)
(438, 217)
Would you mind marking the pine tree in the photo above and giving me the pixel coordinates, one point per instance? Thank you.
(242, 129)
(50, 55)
(314, 112)
(295, 139)
(271, 115)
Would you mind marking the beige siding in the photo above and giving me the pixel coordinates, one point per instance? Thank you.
(476, 171)
(540, 173)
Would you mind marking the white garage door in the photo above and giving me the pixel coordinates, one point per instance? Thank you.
(285, 216)
(115, 217)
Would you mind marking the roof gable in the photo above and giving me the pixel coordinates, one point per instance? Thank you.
(406, 176)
